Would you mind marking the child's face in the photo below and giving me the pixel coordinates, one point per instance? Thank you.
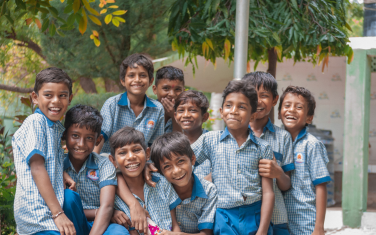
(265, 102)
(178, 170)
(81, 141)
(137, 80)
(131, 159)
(169, 89)
(189, 116)
(236, 111)
(53, 100)
(294, 112)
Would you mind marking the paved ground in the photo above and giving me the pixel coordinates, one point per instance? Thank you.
(349, 231)
(333, 223)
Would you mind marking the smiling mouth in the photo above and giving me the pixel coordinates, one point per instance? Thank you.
(187, 122)
(291, 118)
(259, 109)
(133, 166)
(180, 177)
(79, 150)
(54, 110)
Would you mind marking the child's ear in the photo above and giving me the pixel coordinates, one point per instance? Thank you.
(112, 160)
(253, 117)
(205, 117)
(99, 139)
(34, 97)
(122, 81)
(220, 111)
(70, 98)
(147, 152)
(279, 116)
(275, 100)
(154, 89)
(151, 81)
(64, 137)
(309, 119)
(193, 159)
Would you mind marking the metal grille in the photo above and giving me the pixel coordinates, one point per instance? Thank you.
(373, 64)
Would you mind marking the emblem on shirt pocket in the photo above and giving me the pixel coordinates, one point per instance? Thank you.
(150, 123)
(299, 158)
(93, 175)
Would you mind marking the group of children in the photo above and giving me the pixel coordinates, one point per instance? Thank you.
(146, 166)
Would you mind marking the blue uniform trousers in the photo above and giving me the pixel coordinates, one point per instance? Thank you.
(280, 229)
(242, 220)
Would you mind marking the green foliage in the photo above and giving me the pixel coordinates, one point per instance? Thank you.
(94, 100)
(298, 29)
(355, 15)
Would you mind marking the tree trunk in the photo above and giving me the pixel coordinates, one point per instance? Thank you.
(272, 69)
(113, 86)
(16, 89)
(88, 85)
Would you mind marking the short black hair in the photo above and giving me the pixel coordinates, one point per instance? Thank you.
(52, 75)
(196, 97)
(259, 78)
(243, 87)
(305, 93)
(169, 73)
(138, 59)
(166, 145)
(84, 115)
(124, 136)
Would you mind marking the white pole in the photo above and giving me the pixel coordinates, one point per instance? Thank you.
(241, 38)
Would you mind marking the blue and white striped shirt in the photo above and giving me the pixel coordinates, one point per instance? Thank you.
(96, 172)
(168, 126)
(197, 212)
(235, 169)
(37, 135)
(117, 113)
(310, 170)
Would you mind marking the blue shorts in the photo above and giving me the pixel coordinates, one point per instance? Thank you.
(242, 220)
(280, 229)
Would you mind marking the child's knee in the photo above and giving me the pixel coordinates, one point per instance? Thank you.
(70, 198)
(116, 229)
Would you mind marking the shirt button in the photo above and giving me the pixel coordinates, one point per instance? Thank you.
(239, 171)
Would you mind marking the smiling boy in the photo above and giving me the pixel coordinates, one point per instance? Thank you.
(280, 141)
(234, 155)
(38, 158)
(95, 175)
(169, 83)
(133, 108)
(306, 200)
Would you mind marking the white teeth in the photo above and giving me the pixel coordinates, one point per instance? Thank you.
(130, 166)
(80, 151)
(55, 109)
(178, 178)
(291, 117)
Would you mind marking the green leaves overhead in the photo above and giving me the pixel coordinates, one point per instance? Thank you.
(295, 29)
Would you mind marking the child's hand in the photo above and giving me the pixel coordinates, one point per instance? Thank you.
(121, 218)
(138, 215)
(147, 174)
(166, 232)
(68, 181)
(64, 225)
(318, 231)
(168, 107)
(270, 168)
(133, 232)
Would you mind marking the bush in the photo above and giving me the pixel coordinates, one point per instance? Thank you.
(93, 100)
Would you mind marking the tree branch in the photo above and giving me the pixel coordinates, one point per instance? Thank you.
(16, 89)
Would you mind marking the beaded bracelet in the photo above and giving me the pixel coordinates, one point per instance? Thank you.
(55, 216)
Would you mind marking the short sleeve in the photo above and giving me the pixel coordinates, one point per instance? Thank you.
(108, 119)
(267, 153)
(203, 169)
(107, 173)
(287, 163)
(317, 160)
(200, 148)
(34, 140)
(172, 197)
(206, 220)
(159, 127)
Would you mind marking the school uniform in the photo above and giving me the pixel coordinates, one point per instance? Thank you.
(281, 143)
(117, 113)
(168, 126)
(310, 170)
(197, 212)
(96, 173)
(204, 168)
(235, 174)
(37, 135)
(159, 201)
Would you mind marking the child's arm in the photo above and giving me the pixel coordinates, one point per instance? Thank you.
(175, 225)
(68, 181)
(138, 214)
(149, 168)
(320, 209)
(108, 118)
(104, 213)
(266, 206)
(98, 148)
(271, 169)
(43, 183)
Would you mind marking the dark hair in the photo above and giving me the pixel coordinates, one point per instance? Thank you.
(243, 87)
(124, 136)
(196, 97)
(84, 115)
(52, 75)
(170, 73)
(259, 78)
(168, 144)
(138, 59)
(305, 93)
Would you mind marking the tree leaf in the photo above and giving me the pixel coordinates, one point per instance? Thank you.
(278, 50)
(95, 20)
(71, 19)
(60, 33)
(350, 56)
(82, 26)
(95, 33)
(28, 21)
(348, 27)
(227, 48)
(119, 13)
(52, 29)
(21, 15)
(319, 48)
(103, 11)
(119, 19)
(38, 23)
(108, 18)
(45, 24)
(76, 5)
(113, 6)
(3, 8)
(88, 7)
(210, 43)
(54, 12)
(115, 22)
(97, 42)
(68, 8)
(61, 1)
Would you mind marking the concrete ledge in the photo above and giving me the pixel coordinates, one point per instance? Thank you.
(333, 220)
